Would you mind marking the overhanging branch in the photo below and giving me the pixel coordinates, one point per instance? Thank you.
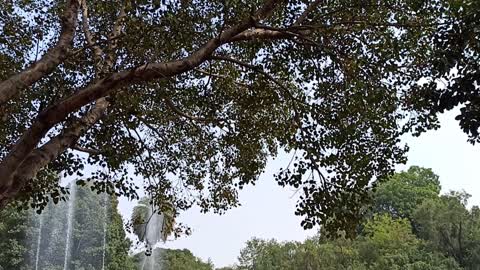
(176, 110)
(310, 8)
(86, 150)
(49, 62)
(105, 86)
(43, 155)
(261, 71)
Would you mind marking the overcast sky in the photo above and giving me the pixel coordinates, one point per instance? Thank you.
(267, 210)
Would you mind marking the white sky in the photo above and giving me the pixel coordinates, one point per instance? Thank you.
(267, 210)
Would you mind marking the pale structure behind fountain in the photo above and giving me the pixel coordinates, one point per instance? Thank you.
(150, 228)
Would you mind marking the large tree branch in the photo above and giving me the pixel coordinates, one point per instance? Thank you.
(116, 32)
(259, 34)
(310, 8)
(57, 145)
(97, 51)
(263, 32)
(86, 150)
(269, 34)
(42, 156)
(10, 87)
(58, 112)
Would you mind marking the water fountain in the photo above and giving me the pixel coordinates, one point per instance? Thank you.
(105, 219)
(70, 216)
(152, 233)
(57, 241)
(53, 239)
(39, 241)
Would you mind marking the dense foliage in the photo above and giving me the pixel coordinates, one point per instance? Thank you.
(171, 259)
(13, 226)
(194, 96)
(446, 235)
(454, 69)
(19, 236)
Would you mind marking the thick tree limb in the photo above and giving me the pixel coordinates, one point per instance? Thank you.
(310, 8)
(299, 34)
(10, 87)
(272, 34)
(258, 34)
(42, 156)
(10, 171)
(97, 51)
(58, 144)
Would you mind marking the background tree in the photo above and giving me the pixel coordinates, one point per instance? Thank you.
(390, 244)
(173, 259)
(118, 245)
(387, 239)
(450, 227)
(206, 91)
(387, 243)
(13, 228)
(401, 194)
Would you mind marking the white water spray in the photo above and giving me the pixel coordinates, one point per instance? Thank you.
(105, 213)
(151, 236)
(152, 232)
(70, 216)
(39, 241)
(152, 260)
(144, 261)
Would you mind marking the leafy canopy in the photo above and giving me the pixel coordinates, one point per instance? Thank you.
(194, 96)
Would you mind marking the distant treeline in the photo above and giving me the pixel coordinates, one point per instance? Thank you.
(408, 226)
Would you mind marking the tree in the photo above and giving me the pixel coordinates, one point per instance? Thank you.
(183, 260)
(400, 195)
(390, 244)
(387, 243)
(118, 245)
(173, 259)
(451, 228)
(454, 70)
(13, 228)
(265, 255)
(194, 96)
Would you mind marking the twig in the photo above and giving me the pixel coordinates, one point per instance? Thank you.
(261, 71)
(87, 150)
(307, 11)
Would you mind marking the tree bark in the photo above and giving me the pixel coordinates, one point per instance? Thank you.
(24, 161)
(56, 55)
(42, 156)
